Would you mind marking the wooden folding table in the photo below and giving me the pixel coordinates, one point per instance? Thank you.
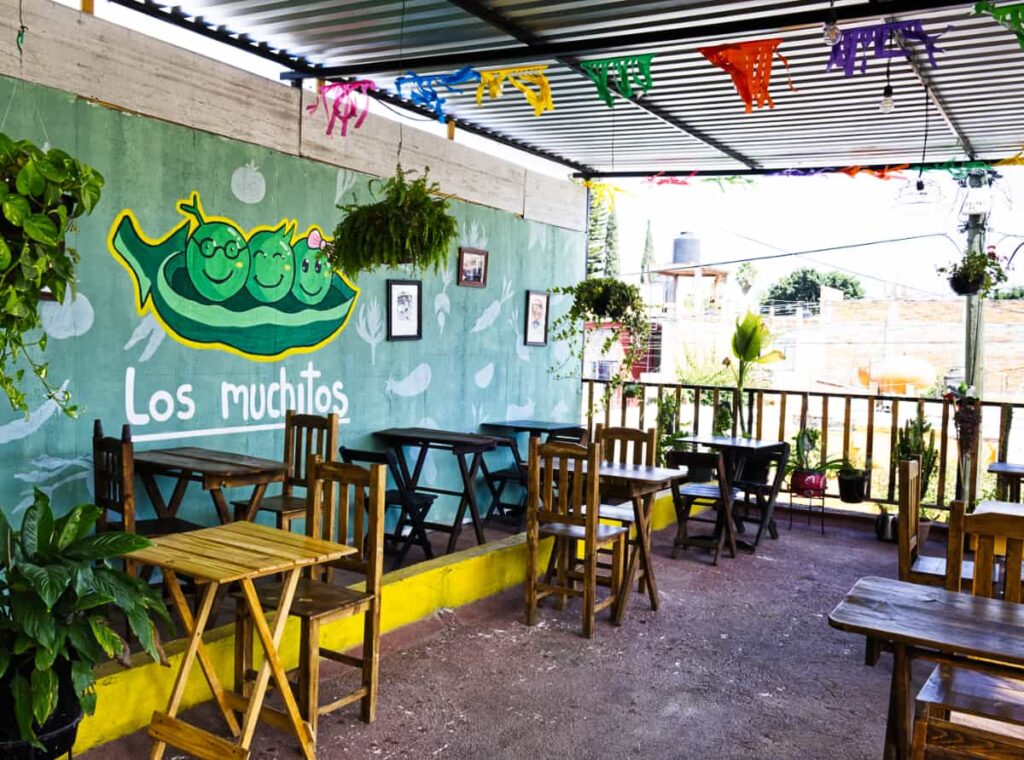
(215, 470)
(238, 552)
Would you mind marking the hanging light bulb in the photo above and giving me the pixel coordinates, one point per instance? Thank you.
(887, 105)
(831, 33)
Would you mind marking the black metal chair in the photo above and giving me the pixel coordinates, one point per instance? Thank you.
(410, 529)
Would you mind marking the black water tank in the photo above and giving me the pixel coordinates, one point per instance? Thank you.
(686, 249)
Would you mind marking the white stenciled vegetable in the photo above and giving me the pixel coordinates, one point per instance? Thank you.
(559, 411)
(148, 328)
(370, 326)
(70, 319)
(474, 235)
(521, 350)
(484, 376)
(413, 384)
(442, 304)
(515, 412)
(491, 313)
(346, 181)
(23, 427)
(248, 184)
(479, 415)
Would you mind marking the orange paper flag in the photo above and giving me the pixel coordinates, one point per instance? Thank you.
(750, 66)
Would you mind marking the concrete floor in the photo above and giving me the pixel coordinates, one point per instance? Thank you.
(739, 662)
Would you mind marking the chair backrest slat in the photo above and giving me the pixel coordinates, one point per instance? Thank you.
(909, 515)
(578, 435)
(364, 513)
(563, 483)
(304, 436)
(627, 445)
(987, 528)
(113, 475)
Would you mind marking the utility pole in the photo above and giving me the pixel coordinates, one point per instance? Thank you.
(974, 317)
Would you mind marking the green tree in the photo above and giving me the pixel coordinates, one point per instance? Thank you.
(804, 286)
(611, 245)
(647, 261)
(597, 238)
(1015, 293)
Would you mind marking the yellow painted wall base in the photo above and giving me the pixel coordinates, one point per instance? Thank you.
(126, 699)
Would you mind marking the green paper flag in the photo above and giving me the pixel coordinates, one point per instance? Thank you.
(1010, 16)
(628, 70)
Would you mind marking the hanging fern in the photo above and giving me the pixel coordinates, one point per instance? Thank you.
(409, 225)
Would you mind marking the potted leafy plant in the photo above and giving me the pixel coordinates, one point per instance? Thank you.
(41, 195)
(56, 588)
(410, 224)
(853, 482)
(977, 272)
(605, 303)
(916, 440)
(750, 342)
(807, 469)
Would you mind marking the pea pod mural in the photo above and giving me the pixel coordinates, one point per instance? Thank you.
(264, 294)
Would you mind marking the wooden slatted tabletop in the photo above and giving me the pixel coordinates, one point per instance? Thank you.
(227, 553)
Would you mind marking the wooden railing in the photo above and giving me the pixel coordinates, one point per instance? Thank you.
(855, 426)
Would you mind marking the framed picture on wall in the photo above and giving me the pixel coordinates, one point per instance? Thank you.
(405, 309)
(536, 330)
(472, 268)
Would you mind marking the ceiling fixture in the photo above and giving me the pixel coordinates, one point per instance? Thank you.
(888, 105)
(919, 191)
(832, 33)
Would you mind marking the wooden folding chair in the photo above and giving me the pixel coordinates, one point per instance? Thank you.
(304, 436)
(976, 690)
(718, 494)
(563, 502)
(114, 488)
(359, 495)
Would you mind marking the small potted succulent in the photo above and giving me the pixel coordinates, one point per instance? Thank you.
(853, 482)
(807, 469)
(57, 587)
(976, 273)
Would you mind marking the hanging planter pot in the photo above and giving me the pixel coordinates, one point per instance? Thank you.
(410, 225)
(965, 285)
(975, 274)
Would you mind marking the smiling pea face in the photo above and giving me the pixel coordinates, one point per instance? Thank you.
(312, 272)
(273, 265)
(218, 260)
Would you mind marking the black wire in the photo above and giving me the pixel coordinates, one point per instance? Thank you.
(924, 148)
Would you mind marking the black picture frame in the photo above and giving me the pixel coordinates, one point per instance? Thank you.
(472, 277)
(399, 314)
(530, 326)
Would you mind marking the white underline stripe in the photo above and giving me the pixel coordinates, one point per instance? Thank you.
(209, 431)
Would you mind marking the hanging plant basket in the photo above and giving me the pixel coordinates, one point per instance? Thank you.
(963, 285)
(605, 303)
(410, 225)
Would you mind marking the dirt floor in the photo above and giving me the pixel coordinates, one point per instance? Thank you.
(739, 662)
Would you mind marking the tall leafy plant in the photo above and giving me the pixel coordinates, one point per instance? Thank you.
(410, 224)
(750, 344)
(42, 193)
(916, 440)
(56, 587)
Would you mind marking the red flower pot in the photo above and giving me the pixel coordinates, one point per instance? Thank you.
(808, 483)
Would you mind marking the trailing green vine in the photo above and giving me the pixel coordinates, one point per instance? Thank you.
(409, 225)
(604, 303)
(41, 195)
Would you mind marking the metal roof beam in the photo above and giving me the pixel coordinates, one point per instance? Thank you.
(498, 21)
(300, 68)
(765, 172)
(933, 93)
(542, 50)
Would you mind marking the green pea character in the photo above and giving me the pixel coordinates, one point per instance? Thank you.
(273, 264)
(313, 272)
(216, 255)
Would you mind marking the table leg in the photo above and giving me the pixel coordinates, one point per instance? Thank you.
(221, 503)
(642, 514)
(897, 728)
(194, 650)
(164, 509)
(254, 503)
(270, 640)
(468, 476)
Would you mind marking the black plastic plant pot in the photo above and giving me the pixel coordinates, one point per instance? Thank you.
(853, 486)
(965, 286)
(59, 732)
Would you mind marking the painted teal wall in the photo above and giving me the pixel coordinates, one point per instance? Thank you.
(478, 368)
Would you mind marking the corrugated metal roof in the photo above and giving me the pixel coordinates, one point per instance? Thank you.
(831, 120)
